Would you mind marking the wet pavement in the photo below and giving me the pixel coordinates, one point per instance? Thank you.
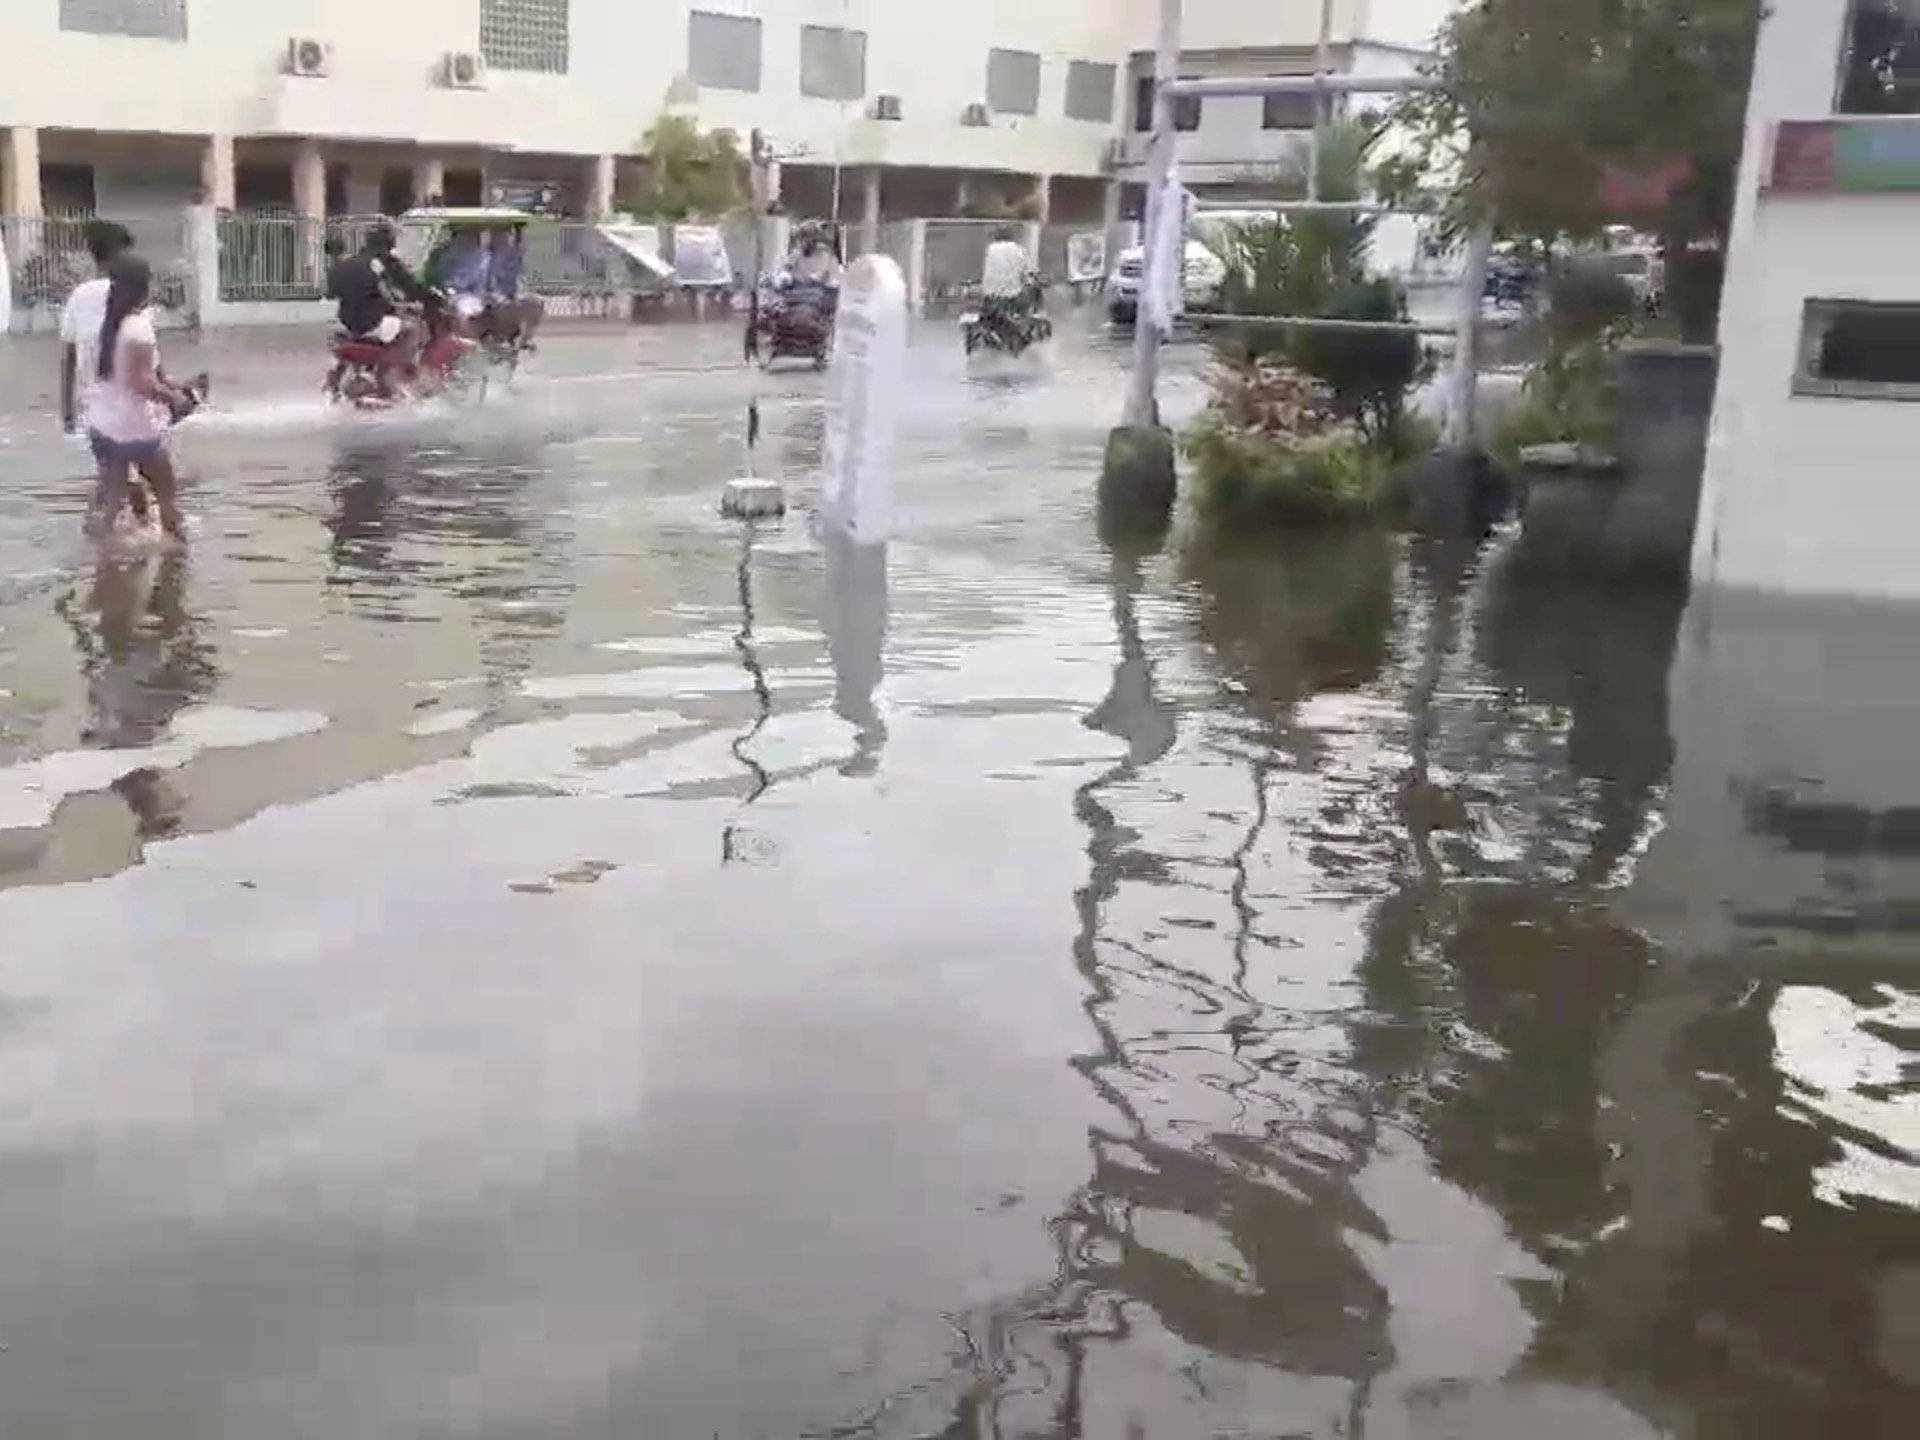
(488, 949)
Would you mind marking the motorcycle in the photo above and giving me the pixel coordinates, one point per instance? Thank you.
(1008, 325)
(796, 322)
(363, 373)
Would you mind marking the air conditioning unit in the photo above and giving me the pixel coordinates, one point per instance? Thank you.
(976, 115)
(886, 107)
(308, 57)
(463, 70)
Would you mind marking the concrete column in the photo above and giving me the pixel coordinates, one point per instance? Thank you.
(870, 210)
(600, 173)
(1043, 196)
(20, 160)
(963, 195)
(203, 255)
(917, 269)
(310, 180)
(429, 181)
(1111, 200)
(773, 182)
(216, 172)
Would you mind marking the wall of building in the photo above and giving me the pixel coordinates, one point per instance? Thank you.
(226, 78)
(1802, 493)
(1790, 817)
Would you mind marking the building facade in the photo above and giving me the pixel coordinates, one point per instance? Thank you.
(356, 106)
(1816, 430)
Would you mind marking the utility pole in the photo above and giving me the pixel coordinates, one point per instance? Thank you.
(1149, 330)
(1463, 380)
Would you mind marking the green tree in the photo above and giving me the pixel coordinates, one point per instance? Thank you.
(1551, 104)
(690, 173)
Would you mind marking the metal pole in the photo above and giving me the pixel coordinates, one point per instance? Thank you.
(1148, 334)
(1322, 61)
(1463, 383)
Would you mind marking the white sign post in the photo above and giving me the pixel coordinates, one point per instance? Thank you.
(869, 365)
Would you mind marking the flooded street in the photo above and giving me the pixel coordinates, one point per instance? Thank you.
(489, 949)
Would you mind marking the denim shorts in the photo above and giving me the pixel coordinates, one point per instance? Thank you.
(126, 452)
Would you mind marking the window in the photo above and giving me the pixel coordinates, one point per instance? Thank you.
(1856, 350)
(1186, 108)
(833, 62)
(524, 35)
(1880, 72)
(147, 19)
(723, 51)
(1090, 92)
(1288, 112)
(1013, 82)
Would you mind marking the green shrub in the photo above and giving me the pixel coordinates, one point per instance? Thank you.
(1585, 302)
(1570, 395)
(1370, 372)
(1249, 478)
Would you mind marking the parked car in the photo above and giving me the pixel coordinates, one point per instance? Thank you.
(1203, 277)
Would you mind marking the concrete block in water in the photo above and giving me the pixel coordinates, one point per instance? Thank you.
(1138, 479)
(1570, 455)
(748, 498)
(1640, 517)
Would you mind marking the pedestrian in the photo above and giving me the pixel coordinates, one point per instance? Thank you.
(131, 406)
(80, 324)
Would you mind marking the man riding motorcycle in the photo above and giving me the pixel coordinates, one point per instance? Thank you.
(797, 317)
(1010, 315)
(1009, 293)
(369, 286)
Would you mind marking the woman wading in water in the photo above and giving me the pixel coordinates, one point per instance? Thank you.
(131, 408)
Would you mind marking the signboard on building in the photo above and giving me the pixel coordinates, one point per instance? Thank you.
(1845, 157)
(700, 257)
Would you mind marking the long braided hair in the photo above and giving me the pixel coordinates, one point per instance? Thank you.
(130, 282)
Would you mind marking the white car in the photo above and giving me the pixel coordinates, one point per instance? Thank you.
(1202, 278)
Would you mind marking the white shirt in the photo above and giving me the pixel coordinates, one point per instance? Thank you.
(80, 326)
(1004, 275)
(114, 410)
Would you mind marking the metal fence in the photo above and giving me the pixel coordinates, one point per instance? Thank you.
(956, 254)
(47, 257)
(270, 255)
(281, 257)
(571, 261)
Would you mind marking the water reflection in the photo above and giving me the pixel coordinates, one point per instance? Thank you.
(1294, 616)
(854, 620)
(141, 649)
(479, 537)
(144, 660)
(1680, 1162)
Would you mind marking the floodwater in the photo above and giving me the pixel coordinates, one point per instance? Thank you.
(489, 949)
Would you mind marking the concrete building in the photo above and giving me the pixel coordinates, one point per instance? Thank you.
(1250, 147)
(138, 107)
(1815, 434)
